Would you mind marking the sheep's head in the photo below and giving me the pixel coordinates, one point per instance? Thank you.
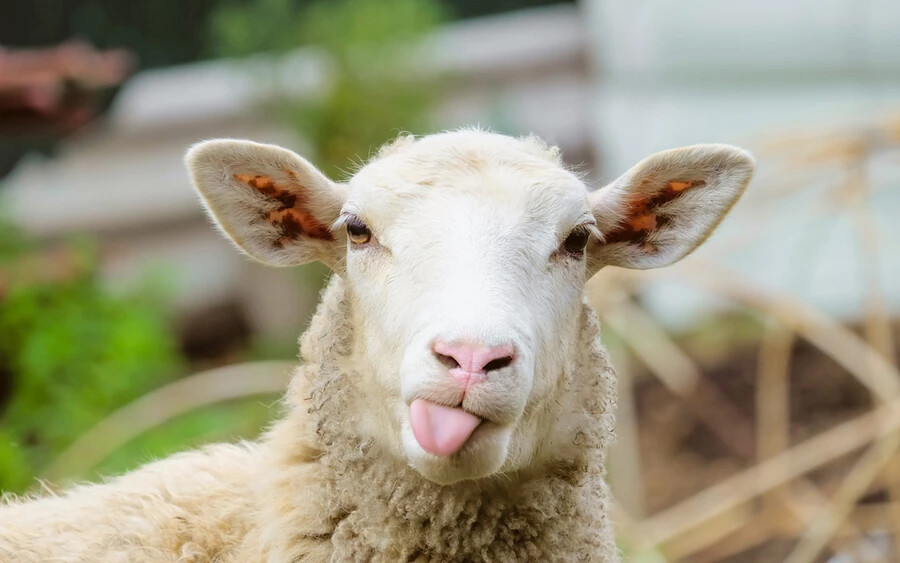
(464, 257)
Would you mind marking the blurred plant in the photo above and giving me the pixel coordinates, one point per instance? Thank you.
(12, 242)
(71, 352)
(373, 91)
(239, 29)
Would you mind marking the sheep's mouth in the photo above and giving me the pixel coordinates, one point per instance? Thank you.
(439, 429)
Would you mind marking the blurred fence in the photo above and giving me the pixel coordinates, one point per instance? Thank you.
(786, 480)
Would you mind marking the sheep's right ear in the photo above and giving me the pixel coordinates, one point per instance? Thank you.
(273, 204)
(667, 205)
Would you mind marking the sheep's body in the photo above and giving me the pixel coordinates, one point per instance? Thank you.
(454, 403)
(312, 490)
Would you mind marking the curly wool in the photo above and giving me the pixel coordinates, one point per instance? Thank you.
(312, 489)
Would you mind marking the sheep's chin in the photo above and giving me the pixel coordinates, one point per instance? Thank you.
(483, 455)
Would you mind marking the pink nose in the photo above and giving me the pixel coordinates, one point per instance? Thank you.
(474, 358)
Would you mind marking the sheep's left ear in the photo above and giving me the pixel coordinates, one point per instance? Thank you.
(667, 205)
(275, 205)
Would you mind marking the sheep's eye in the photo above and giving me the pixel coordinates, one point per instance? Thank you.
(358, 232)
(576, 241)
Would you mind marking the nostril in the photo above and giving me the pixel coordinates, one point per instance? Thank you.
(499, 363)
(448, 361)
(473, 358)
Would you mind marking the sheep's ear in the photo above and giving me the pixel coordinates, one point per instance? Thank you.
(667, 205)
(273, 204)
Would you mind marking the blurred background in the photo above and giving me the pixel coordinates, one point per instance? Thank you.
(759, 411)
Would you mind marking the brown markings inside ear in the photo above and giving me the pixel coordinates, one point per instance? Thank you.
(292, 218)
(643, 217)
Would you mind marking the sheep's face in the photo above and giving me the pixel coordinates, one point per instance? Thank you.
(466, 263)
(464, 257)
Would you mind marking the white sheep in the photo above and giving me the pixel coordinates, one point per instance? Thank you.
(454, 402)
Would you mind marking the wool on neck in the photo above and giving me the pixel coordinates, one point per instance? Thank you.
(374, 507)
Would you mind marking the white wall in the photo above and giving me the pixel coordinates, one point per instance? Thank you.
(677, 73)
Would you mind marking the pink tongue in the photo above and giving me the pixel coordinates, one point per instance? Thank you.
(441, 430)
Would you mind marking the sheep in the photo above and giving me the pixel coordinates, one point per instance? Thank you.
(453, 403)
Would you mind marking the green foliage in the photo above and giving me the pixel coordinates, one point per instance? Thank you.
(12, 242)
(71, 352)
(373, 92)
(241, 29)
(343, 27)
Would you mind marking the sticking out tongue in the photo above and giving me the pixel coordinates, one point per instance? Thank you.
(441, 430)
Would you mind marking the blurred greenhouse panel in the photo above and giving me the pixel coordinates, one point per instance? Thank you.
(755, 376)
(751, 74)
